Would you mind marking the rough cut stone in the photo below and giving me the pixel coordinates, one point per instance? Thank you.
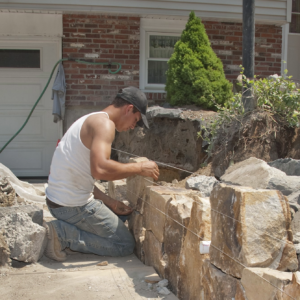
(154, 253)
(4, 251)
(191, 261)
(135, 225)
(7, 193)
(179, 212)
(157, 201)
(26, 240)
(216, 285)
(161, 112)
(136, 187)
(251, 227)
(117, 189)
(294, 201)
(202, 183)
(258, 174)
(289, 166)
(34, 212)
(258, 289)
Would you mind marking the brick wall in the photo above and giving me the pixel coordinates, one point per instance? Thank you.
(99, 38)
(226, 40)
(117, 38)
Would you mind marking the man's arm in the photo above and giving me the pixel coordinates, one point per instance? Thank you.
(102, 167)
(116, 206)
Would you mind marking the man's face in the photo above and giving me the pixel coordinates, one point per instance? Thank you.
(129, 120)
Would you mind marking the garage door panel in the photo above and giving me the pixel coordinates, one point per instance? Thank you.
(24, 92)
(30, 153)
(40, 126)
(49, 55)
(28, 160)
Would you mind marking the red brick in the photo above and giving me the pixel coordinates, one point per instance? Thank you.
(117, 82)
(86, 92)
(233, 38)
(86, 103)
(84, 30)
(70, 29)
(107, 46)
(117, 56)
(71, 92)
(78, 86)
(90, 25)
(94, 87)
(134, 18)
(107, 36)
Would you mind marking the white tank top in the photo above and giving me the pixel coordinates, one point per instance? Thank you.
(70, 181)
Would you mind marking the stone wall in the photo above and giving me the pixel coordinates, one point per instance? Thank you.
(249, 230)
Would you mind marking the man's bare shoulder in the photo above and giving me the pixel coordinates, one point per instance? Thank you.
(100, 122)
(97, 126)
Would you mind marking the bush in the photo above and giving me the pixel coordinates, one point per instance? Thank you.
(277, 95)
(195, 74)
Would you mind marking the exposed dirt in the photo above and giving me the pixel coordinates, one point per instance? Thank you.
(259, 134)
(171, 141)
(7, 193)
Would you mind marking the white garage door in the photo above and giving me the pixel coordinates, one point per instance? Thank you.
(25, 65)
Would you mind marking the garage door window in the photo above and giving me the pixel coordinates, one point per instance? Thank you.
(19, 58)
(295, 24)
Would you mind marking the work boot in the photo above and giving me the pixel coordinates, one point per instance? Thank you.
(53, 247)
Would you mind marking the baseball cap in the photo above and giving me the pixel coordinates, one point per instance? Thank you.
(138, 99)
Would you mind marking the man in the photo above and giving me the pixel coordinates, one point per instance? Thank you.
(83, 223)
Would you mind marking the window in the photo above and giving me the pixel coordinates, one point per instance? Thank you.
(295, 24)
(17, 58)
(160, 48)
(158, 38)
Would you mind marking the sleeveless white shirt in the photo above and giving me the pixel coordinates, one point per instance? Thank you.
(70, 181)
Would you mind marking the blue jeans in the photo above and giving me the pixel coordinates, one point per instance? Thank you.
(92, 228)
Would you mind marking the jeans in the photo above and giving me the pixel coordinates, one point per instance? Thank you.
(92, 228)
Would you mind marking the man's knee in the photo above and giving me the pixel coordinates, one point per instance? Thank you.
(128, 246)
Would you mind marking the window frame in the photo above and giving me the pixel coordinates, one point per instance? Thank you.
(155, 27)
(22, 49)
(148, 34)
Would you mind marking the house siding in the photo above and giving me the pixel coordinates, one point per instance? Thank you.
(117, 39)
(267, 11)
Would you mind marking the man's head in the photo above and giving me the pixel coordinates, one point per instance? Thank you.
(134, 103)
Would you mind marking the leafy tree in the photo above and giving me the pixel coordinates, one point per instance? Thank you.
(195, 74)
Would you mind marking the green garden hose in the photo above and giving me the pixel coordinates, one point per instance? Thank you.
(37, 101)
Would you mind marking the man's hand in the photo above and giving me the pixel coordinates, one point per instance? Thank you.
(149, 169)
(121, 209)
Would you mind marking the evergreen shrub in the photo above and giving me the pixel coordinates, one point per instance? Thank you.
(195, 74)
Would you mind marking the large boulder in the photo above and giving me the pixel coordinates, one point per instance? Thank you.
(136, 187)
(257, 174)
(289, 166)
(216, 285)
(202, 183)
(156, 206)
(4, 251)
(191, 260)
(179, 213)
(34, 212)
(161, 112)
(154, 254)
(268, 284)
(250, 228)
(26, 240)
